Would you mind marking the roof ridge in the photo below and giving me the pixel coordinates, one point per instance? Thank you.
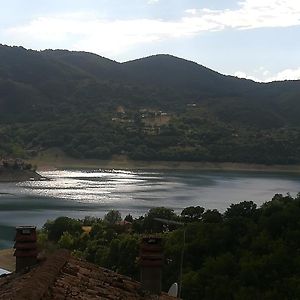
(42, 277)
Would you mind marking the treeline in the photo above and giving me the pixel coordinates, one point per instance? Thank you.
(190, 136)
(244, 253)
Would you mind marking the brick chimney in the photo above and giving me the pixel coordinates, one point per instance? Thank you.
(26, 247)
(151, 262)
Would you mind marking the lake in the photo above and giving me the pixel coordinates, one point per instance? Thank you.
(93, 193)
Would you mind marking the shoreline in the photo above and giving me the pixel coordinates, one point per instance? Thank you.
(58, 163)
(10, 175)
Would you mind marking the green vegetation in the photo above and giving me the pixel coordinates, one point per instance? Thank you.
(17, 165)
(70, 100)
(244, 253)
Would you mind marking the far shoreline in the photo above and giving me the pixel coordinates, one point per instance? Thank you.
(59, 162)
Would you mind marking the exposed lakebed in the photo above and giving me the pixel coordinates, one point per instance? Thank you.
(81, 193)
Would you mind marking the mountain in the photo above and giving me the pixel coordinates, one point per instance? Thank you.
(42, 91)
(94, 65)
(47, 77)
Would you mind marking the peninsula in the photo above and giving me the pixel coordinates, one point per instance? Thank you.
(16, 170)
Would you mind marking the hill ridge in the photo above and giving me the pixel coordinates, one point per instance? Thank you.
(90, 106)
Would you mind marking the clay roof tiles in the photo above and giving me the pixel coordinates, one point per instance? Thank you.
(63, 276)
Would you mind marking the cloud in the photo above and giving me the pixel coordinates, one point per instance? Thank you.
(263, 75)
(288, 74)
(192, 11)
(241, 74)
(252, 14)
(152, 1)
(89, 32)
(85, 31)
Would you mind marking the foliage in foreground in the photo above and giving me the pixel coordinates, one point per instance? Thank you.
(244, 253)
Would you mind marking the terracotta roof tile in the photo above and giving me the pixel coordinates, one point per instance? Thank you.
(62, 276)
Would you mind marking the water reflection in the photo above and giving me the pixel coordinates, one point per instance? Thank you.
(80, 193)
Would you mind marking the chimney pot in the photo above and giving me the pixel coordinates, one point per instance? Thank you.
(151, 262)
(26, 247)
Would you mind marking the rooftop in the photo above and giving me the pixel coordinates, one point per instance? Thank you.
(63, 276)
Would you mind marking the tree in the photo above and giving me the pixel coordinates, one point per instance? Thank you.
(62, 224)
(112, 217)
(152, 225)
(242, 209)
(129, 218)
(129, 251)
(192, 213)
(212, 216)
(66, 241)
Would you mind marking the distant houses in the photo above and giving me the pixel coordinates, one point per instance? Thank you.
(149, 121)
(153, 121)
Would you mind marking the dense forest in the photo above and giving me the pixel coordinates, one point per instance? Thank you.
(156, 108)
(244, 253)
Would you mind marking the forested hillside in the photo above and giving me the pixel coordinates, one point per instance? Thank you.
(156, 108)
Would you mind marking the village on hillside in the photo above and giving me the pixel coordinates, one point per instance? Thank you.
(148, 120)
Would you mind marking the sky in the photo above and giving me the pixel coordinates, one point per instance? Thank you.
(255, 39)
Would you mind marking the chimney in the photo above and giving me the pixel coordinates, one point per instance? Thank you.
(151, 262)
(26, 247)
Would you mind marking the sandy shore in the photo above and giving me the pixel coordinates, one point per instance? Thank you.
(55, 161)
(7, 260)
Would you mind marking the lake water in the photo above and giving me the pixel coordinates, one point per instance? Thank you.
(93, 193)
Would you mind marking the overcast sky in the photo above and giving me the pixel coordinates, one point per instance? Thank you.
(257, 39)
